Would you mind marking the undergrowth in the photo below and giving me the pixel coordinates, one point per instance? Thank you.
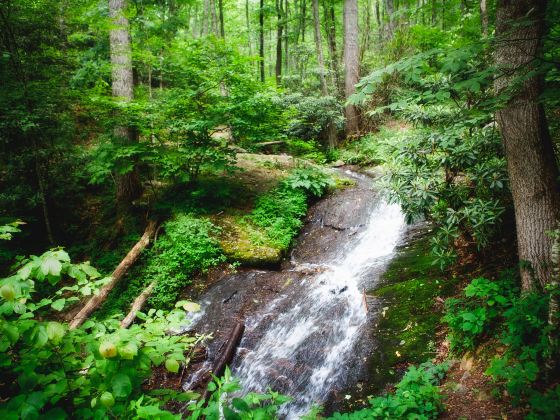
(498, 310)
(416, 397)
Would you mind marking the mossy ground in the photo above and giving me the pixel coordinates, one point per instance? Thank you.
(411, 292)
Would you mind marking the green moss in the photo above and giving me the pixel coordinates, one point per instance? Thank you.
(411, 314)
(246, 244)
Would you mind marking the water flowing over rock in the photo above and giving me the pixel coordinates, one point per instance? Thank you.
(305, 324)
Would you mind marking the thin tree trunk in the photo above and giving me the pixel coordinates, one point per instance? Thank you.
(484, 17)
(128, 185)
(390, 28)
(319, 47)
(261, 39)
(303, 20)
(279, 31)
(330, 23)
(351, 63)
(366, 31)
(221, 17)
(214, 21)
(286, 36)
(378, 20)
(205, 18)
(117, 275)
(532, 168)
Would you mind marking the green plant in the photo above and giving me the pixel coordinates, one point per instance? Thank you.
(416, 397)
(474, 317)
(96, 370)
(188, 246)
(312, 181)
(251, 406)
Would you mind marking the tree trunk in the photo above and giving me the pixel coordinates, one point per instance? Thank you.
(378, 20)
(331, 128)
(330, 23)
(532, 168)
(303, 19)
(390, 28)
(484, 17)
(221, 17)
(286, 36)
(554, 306)
(319, 47)
(128, 185)
(117, 275)
(214, 17)
(279, 31)
(261, 39)
(351, 63)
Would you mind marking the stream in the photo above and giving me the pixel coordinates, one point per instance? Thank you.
(306, 332)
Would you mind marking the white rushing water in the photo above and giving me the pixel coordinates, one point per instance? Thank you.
(304, 348)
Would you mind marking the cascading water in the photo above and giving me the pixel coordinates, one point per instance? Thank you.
(305, 324)
(304, 350)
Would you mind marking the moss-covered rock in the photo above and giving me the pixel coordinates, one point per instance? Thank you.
(407, 326)
(240, 242)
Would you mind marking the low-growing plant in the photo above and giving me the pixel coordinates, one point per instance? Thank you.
(94, 371)
(313, 182)
(188, 246)
(222, 405)
(474, 317)
(417, 396)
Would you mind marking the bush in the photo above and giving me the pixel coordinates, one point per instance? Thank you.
(188, 247)
(417, 396)
(96, 370)
(312, 181)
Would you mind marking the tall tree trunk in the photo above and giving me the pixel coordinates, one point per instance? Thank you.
(390, 10)
(351, 63)
(366, 31)
(303, 19)
(128, 185)
(279, 31)
(261, 39)
(484, 17)
(205, 18)
(378, 20)
(221, 17)
(214, 17)
(330, 23)
(532, 168)
(331, 128)
(286, 36)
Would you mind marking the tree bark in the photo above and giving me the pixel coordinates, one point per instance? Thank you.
(128, 184)
(351, 63)
(330, 23)
(532, 168)
(390, 28)
(484, 17)
(261, 39)
(279, 32)
(221, 18)
(331, 128)
(137, 305)
(117, 275)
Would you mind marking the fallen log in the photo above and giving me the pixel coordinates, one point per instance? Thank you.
(228, 353)
(117, 275)
(137, 306)
(270, 143)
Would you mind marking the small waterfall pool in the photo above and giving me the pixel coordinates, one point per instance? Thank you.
(308, 337)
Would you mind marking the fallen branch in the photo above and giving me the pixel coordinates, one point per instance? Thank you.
(227, 356)
(364, 300)
(269, 143)
(117, 275)
(137, 306)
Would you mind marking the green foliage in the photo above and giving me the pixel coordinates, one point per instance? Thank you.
(520, 321)
(250, 406)
(7, 231)
(96, 370)
(312, 181)
(279, 213)
(472, 318)
(416, 397)
(455, 178)
(189, 246)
